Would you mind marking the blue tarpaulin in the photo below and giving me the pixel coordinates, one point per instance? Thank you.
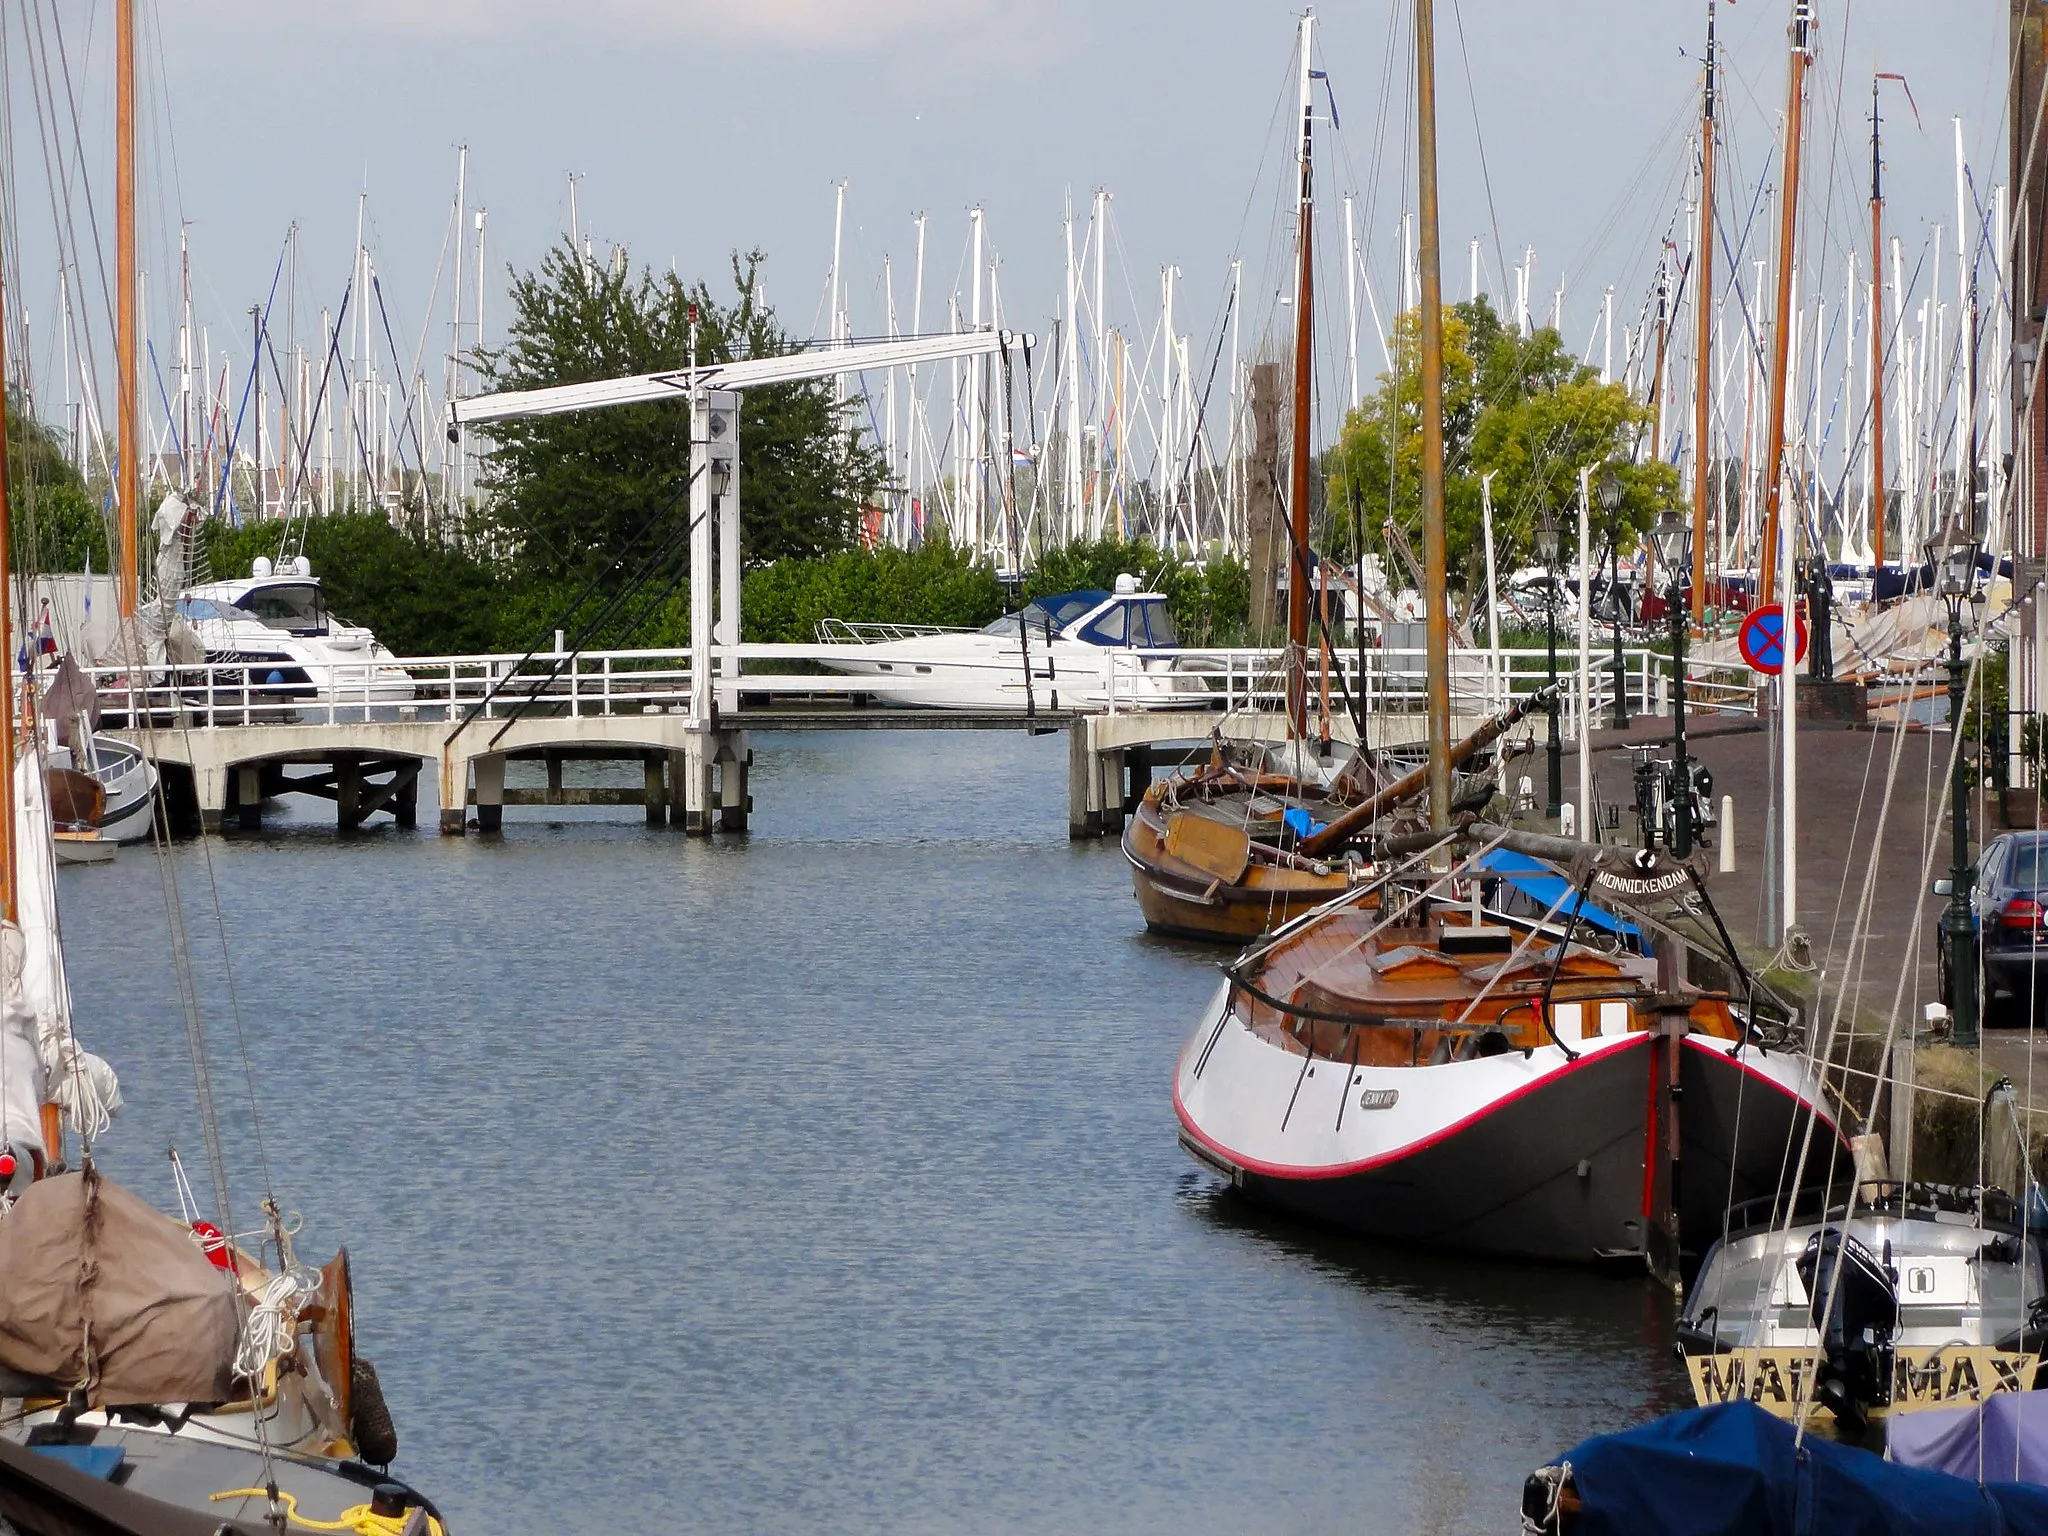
(1732, 1470)
(2003, 1437)
(1543, 883)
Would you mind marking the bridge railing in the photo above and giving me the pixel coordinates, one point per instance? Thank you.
(1394, 680)
(1386, 681)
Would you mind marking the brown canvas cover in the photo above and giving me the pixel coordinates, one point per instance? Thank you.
(83, 1259)
(70, 696)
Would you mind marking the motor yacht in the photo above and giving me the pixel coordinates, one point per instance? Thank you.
(276, 624)
(1073, 651)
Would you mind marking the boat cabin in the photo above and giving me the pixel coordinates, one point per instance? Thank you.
(1125, 618)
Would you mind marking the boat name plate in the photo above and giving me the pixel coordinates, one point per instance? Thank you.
(1379, 1098)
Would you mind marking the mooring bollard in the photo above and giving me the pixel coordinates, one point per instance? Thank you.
(1568, 820)
(1727, 834)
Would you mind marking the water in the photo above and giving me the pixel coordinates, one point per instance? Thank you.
(820, 1181)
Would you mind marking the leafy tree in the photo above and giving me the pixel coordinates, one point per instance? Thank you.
(1210, 602)
(571, 494)
(57, 526)
(1520, 409)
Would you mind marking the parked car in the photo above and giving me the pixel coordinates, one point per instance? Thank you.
(2009, 912)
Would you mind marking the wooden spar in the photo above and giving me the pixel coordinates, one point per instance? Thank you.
(1703, 338)
(1363, 814)
(128, 491)
(10, 904)
(1297, 494)
(1781, 330)
(1435, 556)
(1877, 488)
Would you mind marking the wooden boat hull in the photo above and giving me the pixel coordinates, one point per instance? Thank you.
(1190, 903)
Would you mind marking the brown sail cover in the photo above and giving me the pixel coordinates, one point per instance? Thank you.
(82, 1259)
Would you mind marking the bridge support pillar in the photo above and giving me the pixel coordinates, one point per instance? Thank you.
(1084, 781)
(210, 789)
(735, 757)
(454, 793)
(655, 779)
(348, 793)
(249, 797)
(699, 756)
(489, 794)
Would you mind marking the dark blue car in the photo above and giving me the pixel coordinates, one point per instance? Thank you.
(2009, 907)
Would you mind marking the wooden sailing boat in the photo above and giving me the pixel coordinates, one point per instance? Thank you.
(1420, 1061)
(197, 1382)
(1245, 842)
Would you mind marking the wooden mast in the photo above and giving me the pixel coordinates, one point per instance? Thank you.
(10, 905)
(1435, 558)
(1703, 339)
(1878, 499)
(128, 485)
(1297, 510)
(1781, 331)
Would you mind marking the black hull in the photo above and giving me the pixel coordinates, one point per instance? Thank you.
(1507, 1183)
(1739, 1139)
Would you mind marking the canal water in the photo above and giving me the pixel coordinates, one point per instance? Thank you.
(821, 1180)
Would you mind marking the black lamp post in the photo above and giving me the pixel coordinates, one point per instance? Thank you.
(1952, 557)
(1672, 540)
(1610, 503)
(1546, 551)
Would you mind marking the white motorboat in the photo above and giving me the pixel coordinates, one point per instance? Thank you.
(1073, 651)
(1908, 1297)
(277, 625)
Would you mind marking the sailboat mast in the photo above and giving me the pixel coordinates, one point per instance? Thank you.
(1435, 557)
(1877, 496)
(1781, 330)
(1297, 510)
(10, 906)
(1703, 336)
(129, 491)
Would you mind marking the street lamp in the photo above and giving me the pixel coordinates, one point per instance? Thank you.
(1610, 503)
(1671, 538)
(1546, 551)
(1952, 558)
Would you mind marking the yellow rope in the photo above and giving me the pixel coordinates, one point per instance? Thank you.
(359, 1518)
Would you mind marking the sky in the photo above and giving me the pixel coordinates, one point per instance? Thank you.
(696, 129)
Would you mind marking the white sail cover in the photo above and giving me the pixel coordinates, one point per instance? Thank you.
(37, 1005)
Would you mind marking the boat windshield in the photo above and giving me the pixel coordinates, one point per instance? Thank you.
(293, 606)
(1054, 613)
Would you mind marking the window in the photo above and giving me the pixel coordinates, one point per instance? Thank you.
(295, 607)
(2022, 866)
(1110, 627)
(1159, 623)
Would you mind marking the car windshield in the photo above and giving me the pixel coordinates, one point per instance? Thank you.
(293, 606)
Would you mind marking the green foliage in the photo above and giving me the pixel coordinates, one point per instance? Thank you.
(936, 584)
(1520, 409)
(57, 526)
(570, 493)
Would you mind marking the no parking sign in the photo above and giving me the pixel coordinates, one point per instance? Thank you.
(1763, 639)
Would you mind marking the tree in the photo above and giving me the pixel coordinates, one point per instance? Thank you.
(572, 494)
(1520, 409)
(56, 525)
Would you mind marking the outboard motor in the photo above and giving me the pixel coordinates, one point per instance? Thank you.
(1854, 1302)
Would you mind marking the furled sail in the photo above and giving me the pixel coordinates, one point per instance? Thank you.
(74, 1079)
(101, 1291)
